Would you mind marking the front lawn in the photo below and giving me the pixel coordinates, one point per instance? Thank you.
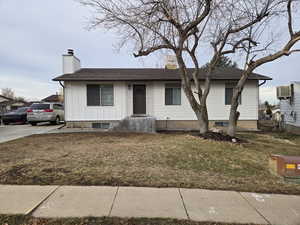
(156, 160)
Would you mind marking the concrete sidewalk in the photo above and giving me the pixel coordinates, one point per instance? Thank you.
(193, 204)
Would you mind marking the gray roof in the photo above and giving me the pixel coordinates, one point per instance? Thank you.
(148, 74)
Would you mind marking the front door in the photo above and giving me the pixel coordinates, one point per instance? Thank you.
(139, 99)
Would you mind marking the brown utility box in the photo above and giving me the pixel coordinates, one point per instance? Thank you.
(288, 166)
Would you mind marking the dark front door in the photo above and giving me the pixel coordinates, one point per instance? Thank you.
(139, 99)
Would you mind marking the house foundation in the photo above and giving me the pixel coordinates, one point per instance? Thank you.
(185, 125)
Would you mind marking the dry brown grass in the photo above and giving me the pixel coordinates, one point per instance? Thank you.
(158, 160)
(26, 220)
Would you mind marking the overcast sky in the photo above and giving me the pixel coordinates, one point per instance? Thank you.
(35, 33)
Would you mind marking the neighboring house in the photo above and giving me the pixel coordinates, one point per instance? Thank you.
(289, 97)
(9, 104)
(4, 103)
(53, 98)
(106, 96)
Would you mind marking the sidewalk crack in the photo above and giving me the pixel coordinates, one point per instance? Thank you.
(31, 211)
(113, 202)
(259, 213)
(184, 206)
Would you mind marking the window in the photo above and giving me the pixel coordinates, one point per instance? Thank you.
(100, 95)
(101, 125)
(22, 110)
(93, 95)
(107, 95)
(221, 124)
(229, 88)
(173, 94)
(58, 106)
(40, 106)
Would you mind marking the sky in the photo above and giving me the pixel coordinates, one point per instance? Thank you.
(35, 34)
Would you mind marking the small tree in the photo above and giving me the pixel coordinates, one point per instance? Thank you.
(253, 62)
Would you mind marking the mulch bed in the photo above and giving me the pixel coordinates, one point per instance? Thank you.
(215, 136)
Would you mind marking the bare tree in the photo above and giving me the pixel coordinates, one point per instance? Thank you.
(180, 27)
(161, 25)
(253, 61)
(8, 92)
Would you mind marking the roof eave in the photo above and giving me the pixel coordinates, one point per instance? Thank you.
(128, 80)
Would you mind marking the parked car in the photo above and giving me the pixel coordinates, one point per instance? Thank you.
(45, 112)
(16, 116)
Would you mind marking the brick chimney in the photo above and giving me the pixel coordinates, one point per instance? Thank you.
(71, 63)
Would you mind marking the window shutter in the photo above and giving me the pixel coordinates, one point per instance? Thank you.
(93, 95)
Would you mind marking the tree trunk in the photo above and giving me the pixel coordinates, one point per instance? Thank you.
(199, 109)
(233, 118)
(202, 117)
(234, 114)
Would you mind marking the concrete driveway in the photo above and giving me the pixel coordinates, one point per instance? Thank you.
(12, 132)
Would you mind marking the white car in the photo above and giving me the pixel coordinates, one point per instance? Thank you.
(45, 112)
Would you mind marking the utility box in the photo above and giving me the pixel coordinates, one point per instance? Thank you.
(286, 166)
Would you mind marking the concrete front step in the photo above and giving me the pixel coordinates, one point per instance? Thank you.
(145, 124)
(193, 204)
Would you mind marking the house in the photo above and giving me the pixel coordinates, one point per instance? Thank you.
(8, 104)
(97, 97)
(4, 102)
(53, 98)
(289, 97)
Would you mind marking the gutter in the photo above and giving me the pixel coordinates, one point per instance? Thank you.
(146, 80)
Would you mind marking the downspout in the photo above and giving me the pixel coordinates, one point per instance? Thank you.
(63, 86)
(265, 81)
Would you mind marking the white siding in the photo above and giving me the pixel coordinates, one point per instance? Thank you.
(286, 108)
(215, 102)
(77, 109)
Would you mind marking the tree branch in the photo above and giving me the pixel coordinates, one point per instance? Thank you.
(152, 49)
(236, 45)
(199, 19)
(289, 10)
